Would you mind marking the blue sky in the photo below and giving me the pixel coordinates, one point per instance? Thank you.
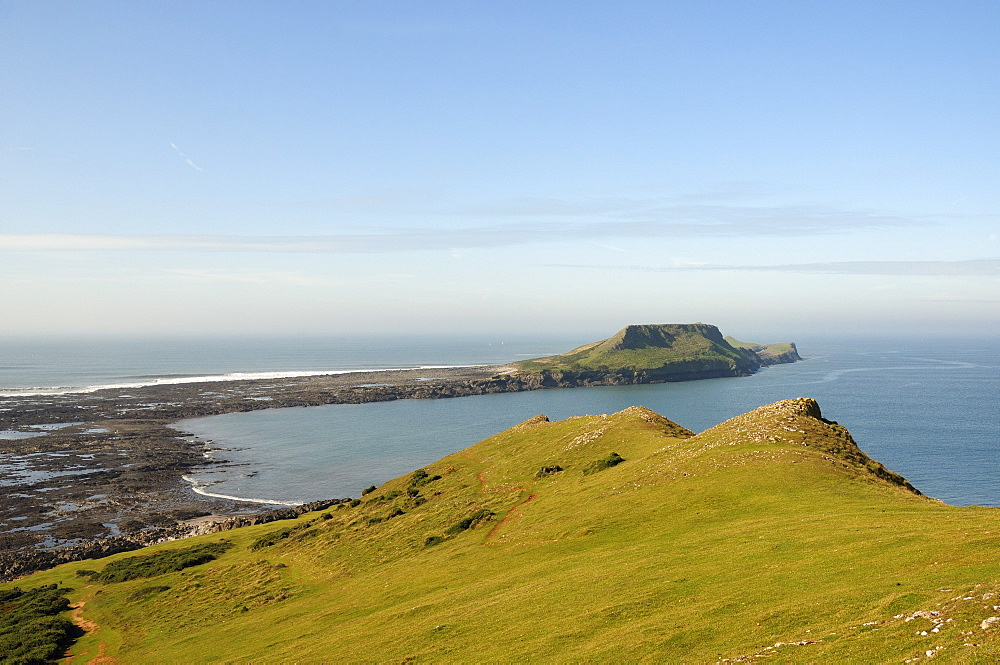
(349, 167)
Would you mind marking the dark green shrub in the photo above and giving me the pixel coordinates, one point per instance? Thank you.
(614, 459)
(433, 540)
(368, 490)
(30, 629)
(470, 521)
(548, 471)
(395, 513)
(420, 477)
(150, 565)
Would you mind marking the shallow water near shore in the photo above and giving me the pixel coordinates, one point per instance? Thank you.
(926, 409)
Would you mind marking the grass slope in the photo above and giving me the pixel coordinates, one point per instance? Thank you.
(679, 347)
(769, 535)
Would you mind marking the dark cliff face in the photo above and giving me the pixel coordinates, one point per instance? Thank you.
(777, 354)
(768, 354)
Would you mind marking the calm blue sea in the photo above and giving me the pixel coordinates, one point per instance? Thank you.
(929, 409)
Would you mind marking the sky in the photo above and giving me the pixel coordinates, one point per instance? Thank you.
(347, 167)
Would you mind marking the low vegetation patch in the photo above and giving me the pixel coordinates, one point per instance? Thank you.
(389, 496)
(297, 532)
(146, 592)
(31, 630)
(548, 471)
(271, 538)
(614, 459)
(137, 567)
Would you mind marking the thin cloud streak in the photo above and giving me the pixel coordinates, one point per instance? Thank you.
(258, 278)
(437, 239)
(972, 267)
(674, 211)
(976, 267)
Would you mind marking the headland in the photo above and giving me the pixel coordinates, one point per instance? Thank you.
(111, 480)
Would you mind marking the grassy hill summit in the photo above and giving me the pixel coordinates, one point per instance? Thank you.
(660, 352)
(606, 538)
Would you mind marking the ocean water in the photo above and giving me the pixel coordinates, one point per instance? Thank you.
(929, 409)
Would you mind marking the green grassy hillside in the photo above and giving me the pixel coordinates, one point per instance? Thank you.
(769, 354)
(610, 538)
(658, 351)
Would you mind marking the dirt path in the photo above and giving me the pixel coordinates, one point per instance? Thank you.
(512, 513)
(87, 626)
(509, 516)
(76, 616)
(482, 480)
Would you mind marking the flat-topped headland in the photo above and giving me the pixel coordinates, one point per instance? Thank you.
(109, 477)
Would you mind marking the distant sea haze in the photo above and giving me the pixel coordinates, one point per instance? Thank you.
(47, 367)
(924, 408)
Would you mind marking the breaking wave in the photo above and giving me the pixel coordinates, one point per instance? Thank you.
(200, 489)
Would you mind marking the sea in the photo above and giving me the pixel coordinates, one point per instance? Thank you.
(928, 408)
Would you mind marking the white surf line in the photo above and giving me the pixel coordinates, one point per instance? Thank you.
(235, 376)
(199, 490)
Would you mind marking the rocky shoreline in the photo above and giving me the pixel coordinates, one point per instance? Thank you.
(99, 473)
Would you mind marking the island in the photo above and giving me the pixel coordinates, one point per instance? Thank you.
(110, 480)
(658, 353)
